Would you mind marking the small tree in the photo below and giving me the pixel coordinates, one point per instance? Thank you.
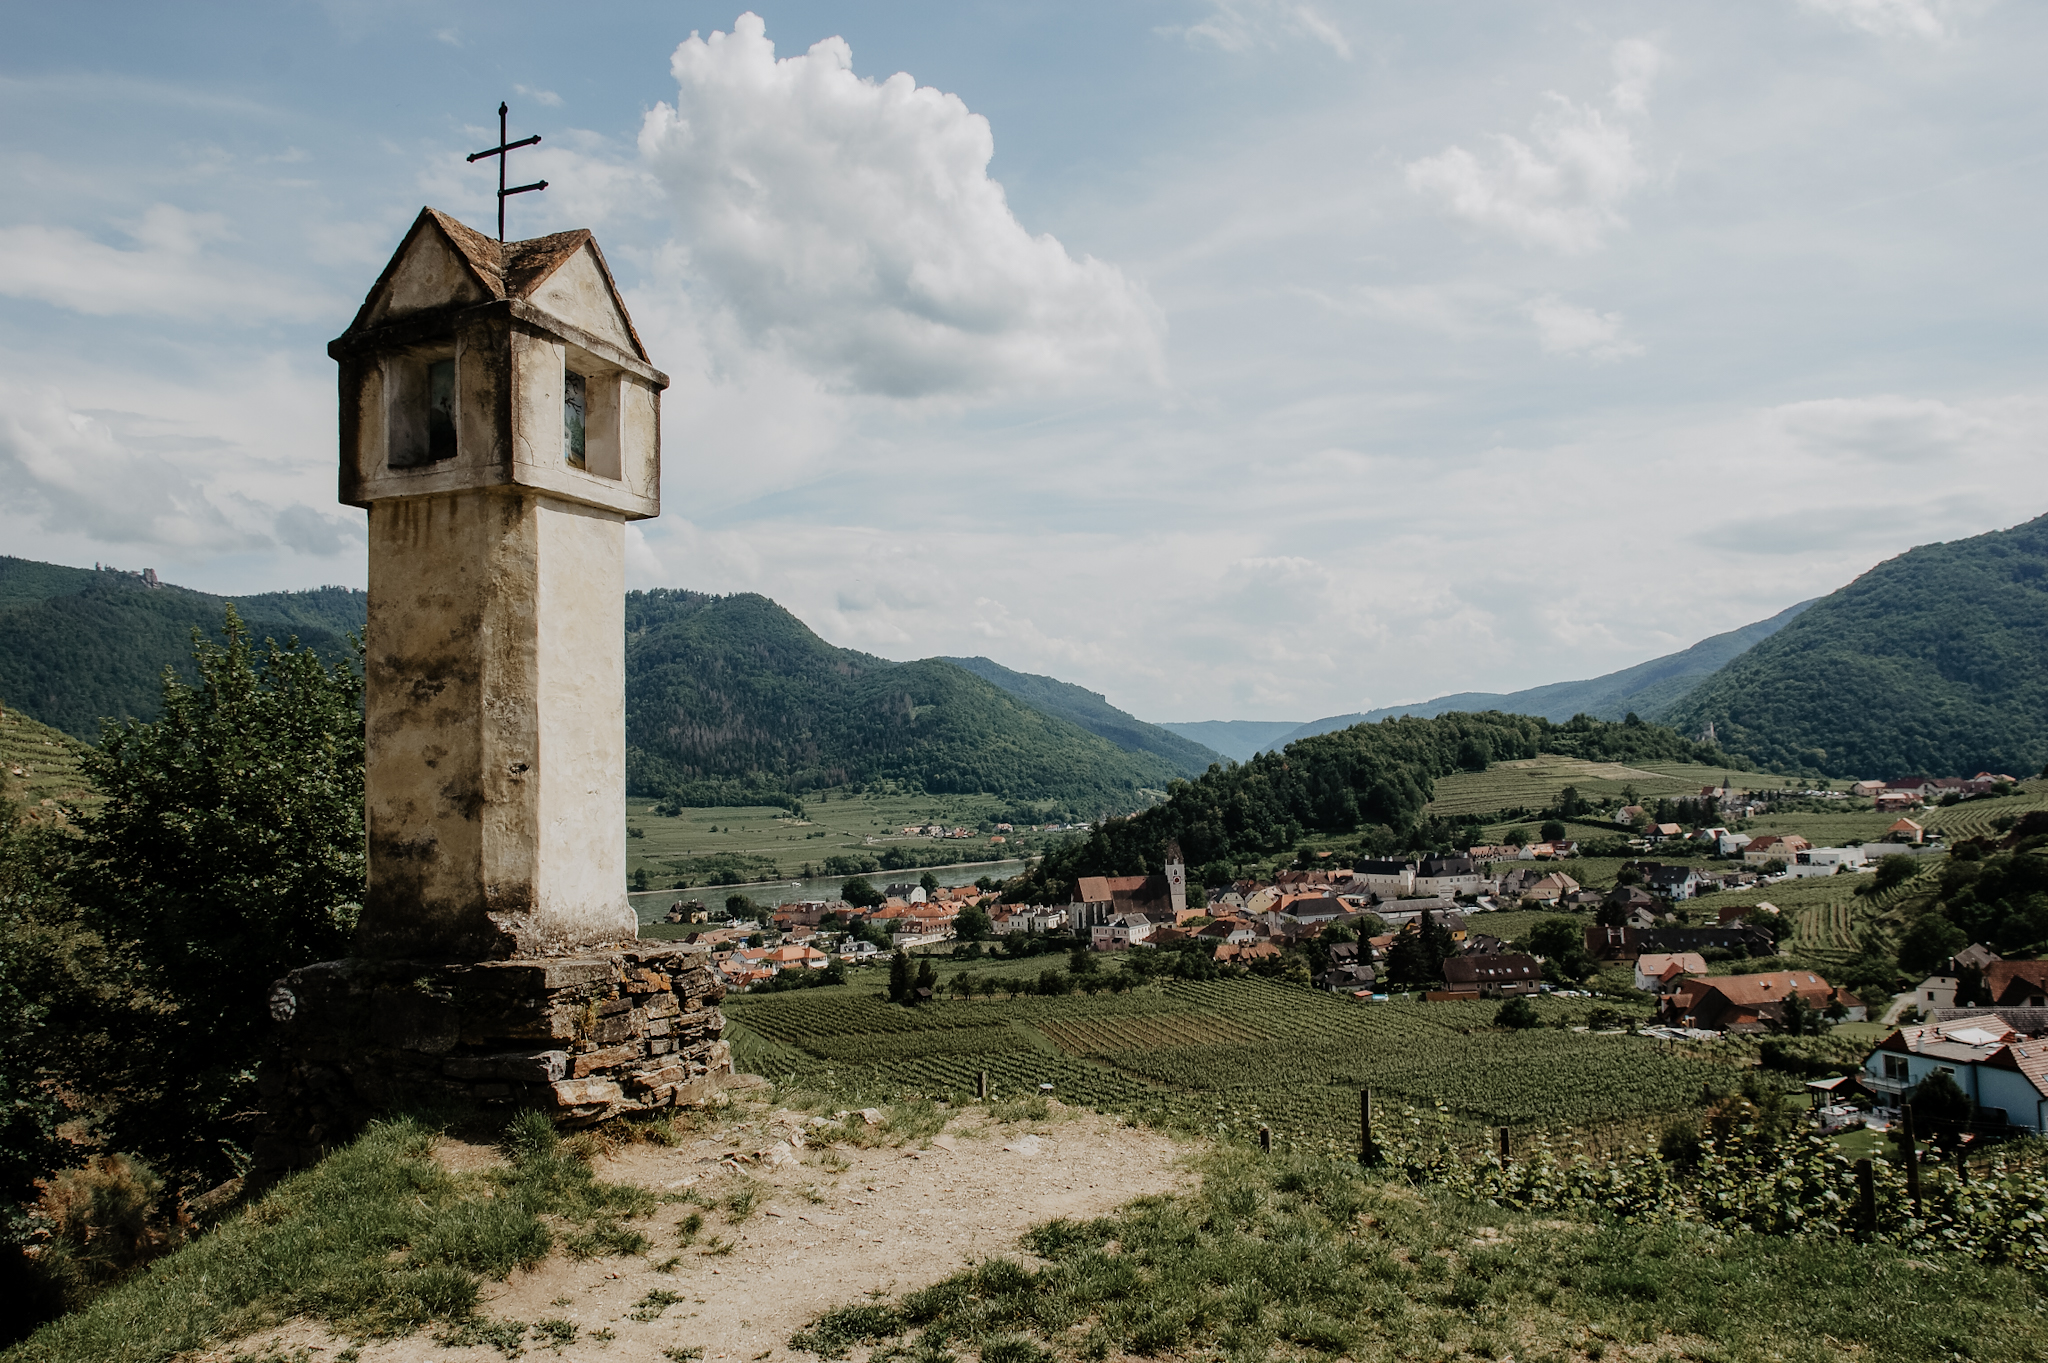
(1553, 831)
(972, 924)
(930, 883)
(1799, 1018)
(1082, 961)
(899, 978)
(228, 851)
(1518, 1013)
(861, 894)
(927, 978)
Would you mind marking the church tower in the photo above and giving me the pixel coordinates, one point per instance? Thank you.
(1176, 881)
(500, 423)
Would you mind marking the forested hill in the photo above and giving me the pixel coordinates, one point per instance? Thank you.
(729, 697)
(80, 643)
(1094, 713)
(1371, 780)
(1934, 662)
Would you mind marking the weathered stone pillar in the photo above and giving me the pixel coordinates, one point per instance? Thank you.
(501, 423)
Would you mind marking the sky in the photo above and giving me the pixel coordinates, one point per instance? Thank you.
(1238, 359)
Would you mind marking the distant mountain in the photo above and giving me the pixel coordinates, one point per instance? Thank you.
(1650, 690)
(730, 694)
(1239, 739)
(1094, 713)
(77, 644)
(1932, 663)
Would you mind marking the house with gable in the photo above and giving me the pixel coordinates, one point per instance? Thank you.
(2002, 1070)
(1750, 1003)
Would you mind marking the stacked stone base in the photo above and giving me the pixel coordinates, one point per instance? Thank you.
(583, 1038)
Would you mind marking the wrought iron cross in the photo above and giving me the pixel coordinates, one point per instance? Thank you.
(503, 152)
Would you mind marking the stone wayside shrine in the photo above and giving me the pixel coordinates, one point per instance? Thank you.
(500, 423)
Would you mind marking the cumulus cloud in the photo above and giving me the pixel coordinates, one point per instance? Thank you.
(169, 272)
(81, 478)
(1242, 25)
(853, 222)
(1565, 329)
(1934, 20)
(1564, 187)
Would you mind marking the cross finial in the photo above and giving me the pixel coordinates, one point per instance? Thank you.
(503, 152)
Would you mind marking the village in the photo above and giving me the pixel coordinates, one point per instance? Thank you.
(1416, 930)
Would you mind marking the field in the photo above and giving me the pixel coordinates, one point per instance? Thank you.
(1227, 1055)
(1533, 783)
(723, 846)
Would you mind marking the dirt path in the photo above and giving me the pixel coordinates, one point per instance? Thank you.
(828, 1227)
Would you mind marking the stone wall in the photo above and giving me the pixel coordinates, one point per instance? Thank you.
(581, 1037)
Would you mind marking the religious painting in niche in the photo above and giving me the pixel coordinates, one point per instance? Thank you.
(440, 410)
(572, 418)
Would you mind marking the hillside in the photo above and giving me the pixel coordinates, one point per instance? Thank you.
(1371, 782)
(38, 764)
(1933, 662)
(1238, 739)
(1651, 690)
(1093, 712)
(730, 695)
(77, 644)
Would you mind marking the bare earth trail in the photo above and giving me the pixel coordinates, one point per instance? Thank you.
(828, 1228)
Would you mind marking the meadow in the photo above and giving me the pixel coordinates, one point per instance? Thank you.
(739, 844)
(1535, 782)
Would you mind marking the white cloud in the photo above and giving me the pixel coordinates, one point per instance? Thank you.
(170, 272)
(1565, 329)
(80, 478)
(853, 222)
(1636, 64)
(1891, 428)
(547, 97)
(1242, 25)
(1934, 20)
(1564, 192)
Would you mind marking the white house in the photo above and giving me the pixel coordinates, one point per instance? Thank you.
(1936, 991)
(1030, 918)
(1387, 879)
(1995, 1065)
(1729, 844)
(1447, 877)
(1124, 930)
(1825, 861)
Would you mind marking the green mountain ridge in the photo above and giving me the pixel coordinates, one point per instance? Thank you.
(1093, 712)
(735, 692)
(1650, 690)
(79, 643)
(1932, 663)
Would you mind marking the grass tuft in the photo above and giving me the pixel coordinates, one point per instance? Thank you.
(377, 1241)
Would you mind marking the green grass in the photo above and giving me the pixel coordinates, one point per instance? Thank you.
(765, 842)
(1535, 783)
(1302, 1258)
(378, 1241)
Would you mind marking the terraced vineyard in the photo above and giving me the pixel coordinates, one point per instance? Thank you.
(1234, 1052)
(1979, 818)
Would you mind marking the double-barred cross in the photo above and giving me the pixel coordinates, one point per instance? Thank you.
(503, 152)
